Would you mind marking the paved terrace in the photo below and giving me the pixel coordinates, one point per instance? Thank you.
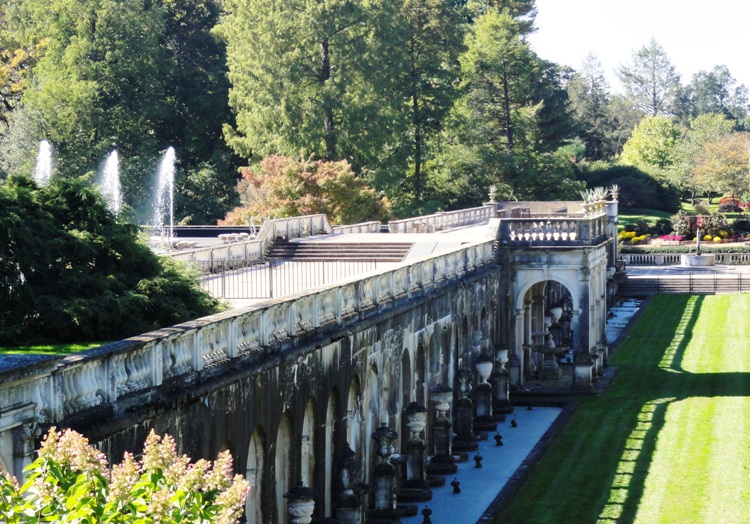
(423, 244)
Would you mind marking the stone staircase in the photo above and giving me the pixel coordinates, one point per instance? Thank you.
(343, 251)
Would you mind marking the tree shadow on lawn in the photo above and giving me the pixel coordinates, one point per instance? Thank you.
(659, 381)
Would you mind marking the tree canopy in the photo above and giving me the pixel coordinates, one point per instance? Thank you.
(282, 187)
(69, 271)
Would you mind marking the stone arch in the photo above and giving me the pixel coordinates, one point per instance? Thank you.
(570, 284)
(282, 466)
(420, 371)
(406, 387)
(307, 447)
(446, 354)
(465, 343)
(354, 416)
(330, 429)
(256, 457)
(484, 327)
(476, 335)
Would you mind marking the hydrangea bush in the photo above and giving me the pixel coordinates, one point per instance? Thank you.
(70, 482)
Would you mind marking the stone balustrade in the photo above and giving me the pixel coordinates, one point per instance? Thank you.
(674, 259)
(554, 231)
(363, 227)
(287, 228)
(124, 373)
(443, 221)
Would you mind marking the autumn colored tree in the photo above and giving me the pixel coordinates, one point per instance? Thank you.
(283, 187)
(71, 482)
(722, 164)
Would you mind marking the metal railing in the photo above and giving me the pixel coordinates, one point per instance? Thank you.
(692, 283)
(252, 278)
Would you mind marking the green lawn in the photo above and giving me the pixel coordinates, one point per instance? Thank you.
(668, 441)
(631, 215)
(51, 349)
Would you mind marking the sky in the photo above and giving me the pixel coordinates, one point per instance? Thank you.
(696, 35)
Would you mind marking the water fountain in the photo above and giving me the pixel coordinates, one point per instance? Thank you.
(110, 185)
(165, 197)
(43, 169)
(698, 259)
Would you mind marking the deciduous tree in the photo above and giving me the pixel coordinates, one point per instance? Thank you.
(653, 144)
(282, 187)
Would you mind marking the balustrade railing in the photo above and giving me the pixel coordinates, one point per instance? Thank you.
(675, 259)
(119, 374)
(364, 227)
(442, 221)
(552, 231)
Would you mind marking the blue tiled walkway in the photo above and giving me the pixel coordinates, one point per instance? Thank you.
(480, 486)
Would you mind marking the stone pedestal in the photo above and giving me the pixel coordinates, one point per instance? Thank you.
(414, 488)
(550, 368)
(483, 420)
(300, 504)
(441, 461)
(515, 377)
(385, 474)
(601, 350)
(348, 507)
(583, 369)
(501, 385)
(464, 414)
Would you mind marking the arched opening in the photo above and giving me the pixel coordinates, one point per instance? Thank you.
(420, 386)
(307, 448)
(329, 443)
(548, 339)
(282, 466)
(354, 416)
(254, 475)
(406, 388)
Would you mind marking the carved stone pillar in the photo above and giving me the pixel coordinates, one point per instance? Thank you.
(483, 420)
(347, 470)
(385, 473)
(23, 447)
(501, 378)
(414, 448)
(442, 461)
(464, 413)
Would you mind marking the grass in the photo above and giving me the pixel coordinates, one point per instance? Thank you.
(667, 442)
(631, 215)
(49, 349)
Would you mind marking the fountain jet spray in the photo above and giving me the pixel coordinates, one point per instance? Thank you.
(111, 183)
(43, 169)
(165, 196)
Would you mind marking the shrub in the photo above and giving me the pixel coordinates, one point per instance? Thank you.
(702, 209)
(707, 238)
(663, 226)
(717, 239)
(741, 225)
(70, 482)
(680, 224)
(637, 188)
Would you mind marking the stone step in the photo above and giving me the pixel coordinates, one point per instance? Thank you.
(382, 252)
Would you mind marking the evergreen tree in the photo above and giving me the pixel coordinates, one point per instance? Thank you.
(69, 271)
(589, 98)
(650, 80)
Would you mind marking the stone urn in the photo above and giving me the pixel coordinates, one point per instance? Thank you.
(300, 504)
(484, 368)
(416, 418)
(441, 395)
